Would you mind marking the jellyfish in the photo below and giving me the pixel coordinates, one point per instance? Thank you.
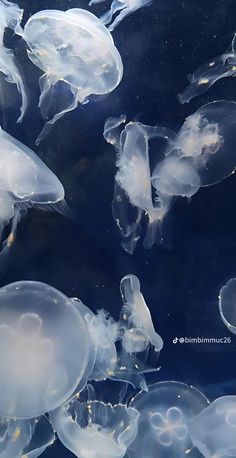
(133, 187)
(213, 430)
(75, 49)
(207, 75)
(227, 305)
(200, 154)
(44, 349)
(94, 429)
(121, 350)
(166, 412)
(123, 8)
(11, 16)
(25, 438)
(25, 182)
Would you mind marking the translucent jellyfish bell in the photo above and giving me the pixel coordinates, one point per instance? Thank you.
(44, 349)
(10, 16)
(227, 305)
(207, 142)
(94, 429)
(207, 75)
(25, 181)
(76, 49)
(213, 430)
(166, 412)
(25, 438)
(123, 8)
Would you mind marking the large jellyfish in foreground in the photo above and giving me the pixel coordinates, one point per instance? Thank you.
(227, 304)
(123, 8)
(25, 438)
(95, 430)
(25, 181)
(213, 431)
(207, 75)
(10, 16)
(44, 349)
(166, 412)
(75, 49)
(201, 154)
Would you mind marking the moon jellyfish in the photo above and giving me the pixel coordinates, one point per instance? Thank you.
(75, 49)
(25, 181)
(213, 430)
(207, 75)
(166, 412)
(122, 350)
(123, 8)
(10, 16)
(25, 438)
(201, 154)
(94, 429)
(227, 305)
(44, 349)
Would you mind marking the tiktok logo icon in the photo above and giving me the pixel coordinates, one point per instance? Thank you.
(175, 340)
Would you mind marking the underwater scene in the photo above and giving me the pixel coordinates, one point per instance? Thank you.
(117, 228)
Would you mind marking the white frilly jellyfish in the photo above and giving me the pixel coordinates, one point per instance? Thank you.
(44, 349)
(213, 430)
(201, 154)
(207, 75)
(227, 305)
(94, 429)
(75, 49)
(119, 350)
(123, 8)
(25, 181)
(10, 16)
(166, 412)
(25, 438)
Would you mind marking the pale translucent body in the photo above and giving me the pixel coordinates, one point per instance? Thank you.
(208, 74)
(25, 181)
(10, 16)
(76, 49)
(119, 349)
(139, 331)
(25, 438)
(94, 429)
(44, 349)
(201, 154)
(166, 412)
(123, 8)
(227, 304)
(213, 431)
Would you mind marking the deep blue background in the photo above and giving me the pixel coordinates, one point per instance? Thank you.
(159, 46)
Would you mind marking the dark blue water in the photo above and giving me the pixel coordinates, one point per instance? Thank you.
(82, 257)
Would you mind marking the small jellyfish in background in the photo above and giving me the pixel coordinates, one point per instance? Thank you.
(123, 8)
(207, 75)
(25, 181)
(227, 305)
(213, 431)
(75, 49)
(44, 349)
(25, 438)
(94, 429)
(10, 16)
(124, 350)
(166, 412)
(200, 154)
